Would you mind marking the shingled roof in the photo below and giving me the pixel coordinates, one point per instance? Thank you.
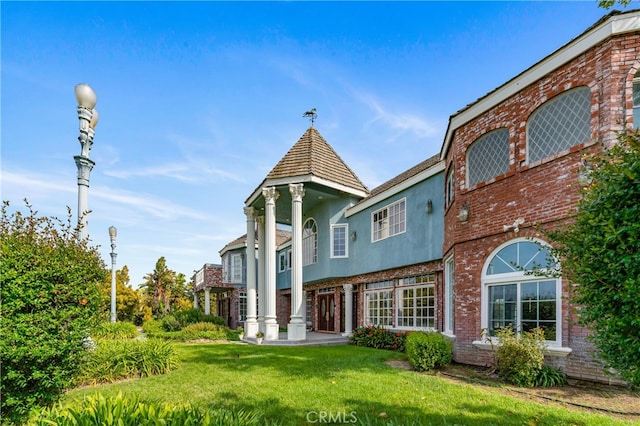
(405, 175)
(312, 155)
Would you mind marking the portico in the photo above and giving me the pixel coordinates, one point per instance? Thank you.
(307, 176)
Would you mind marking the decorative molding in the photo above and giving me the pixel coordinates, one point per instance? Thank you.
(297, 191)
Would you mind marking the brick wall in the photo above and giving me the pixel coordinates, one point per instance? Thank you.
(543, 193)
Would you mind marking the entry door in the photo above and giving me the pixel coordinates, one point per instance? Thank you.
(326, 312)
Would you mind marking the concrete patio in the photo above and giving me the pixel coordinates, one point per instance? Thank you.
(313, 339)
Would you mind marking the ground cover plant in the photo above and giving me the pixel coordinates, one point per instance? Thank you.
(116, 359)
(115, 330)
(296, 385)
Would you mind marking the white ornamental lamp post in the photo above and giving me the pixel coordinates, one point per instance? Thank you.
(113, 233)
(88, 117)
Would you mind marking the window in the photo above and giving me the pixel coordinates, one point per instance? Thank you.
(416, 305)
(559, 124)
(226, 274)
(636, 100)
(242, 306)
(449, 189)
(309, 242)
(448, 295)
(388, 221)
(236, 265)
(378, 304)
(515, 296)
(488, 157)
(339, 240)
(282, 261)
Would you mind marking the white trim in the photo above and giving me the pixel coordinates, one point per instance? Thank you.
(449, 287)
(559, 351)
(517, 278)
(257, 193)
(388, 218)
(614, 25)
(332, 254)
(413, 180)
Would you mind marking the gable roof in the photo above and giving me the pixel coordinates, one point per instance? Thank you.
(313, 156)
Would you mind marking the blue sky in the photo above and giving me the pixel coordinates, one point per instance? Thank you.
(199, 100)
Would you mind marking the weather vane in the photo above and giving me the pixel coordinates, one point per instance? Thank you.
(311, 114)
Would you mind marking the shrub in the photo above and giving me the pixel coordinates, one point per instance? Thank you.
(152, 327)
(550, 376)
(520, 358)
(428, 350)
(192, 316)
(113, 360)
(115, 330)
(51, 299)
(378, 337)
(170, 323)
(98, 410)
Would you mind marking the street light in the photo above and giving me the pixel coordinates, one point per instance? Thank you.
(113, 233)
(88, 117)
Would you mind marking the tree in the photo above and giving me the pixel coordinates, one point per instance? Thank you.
(50, 302)
(600, 253)
(158, 286)
(607, 4)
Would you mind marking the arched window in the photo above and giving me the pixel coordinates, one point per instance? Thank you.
(513, 296)
(559, 124)
(309, 242)
(488, 157)
(636, 101)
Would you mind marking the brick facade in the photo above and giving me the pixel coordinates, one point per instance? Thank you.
(544, 192)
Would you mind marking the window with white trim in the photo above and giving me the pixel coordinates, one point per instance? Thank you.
(242, 306)
(449, 188)
(226, 274)
(488, 157)
(339, 247)
(282, 261)
(448, 295)
(514, 296)
(559, 124)
(309, 242)
(416, 306)
(388, 221)
(236, 268)
(636, 101)
(378, 304)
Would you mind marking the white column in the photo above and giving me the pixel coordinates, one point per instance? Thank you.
(261, 280)
(348, 309)
(297, 328)
(251, 323)
(195, 298)
(270, 319)
(207, 301)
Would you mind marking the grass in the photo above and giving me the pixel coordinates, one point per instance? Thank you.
(295, 384)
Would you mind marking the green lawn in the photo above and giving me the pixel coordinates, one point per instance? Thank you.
(295, 385)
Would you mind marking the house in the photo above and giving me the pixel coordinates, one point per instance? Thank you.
(512, 161)
(450, 244)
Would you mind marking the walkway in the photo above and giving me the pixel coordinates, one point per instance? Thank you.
(313, 339)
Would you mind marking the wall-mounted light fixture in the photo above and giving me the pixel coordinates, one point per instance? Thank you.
(515, 225)
(429, 208)
(354, 236)
(463, 215)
